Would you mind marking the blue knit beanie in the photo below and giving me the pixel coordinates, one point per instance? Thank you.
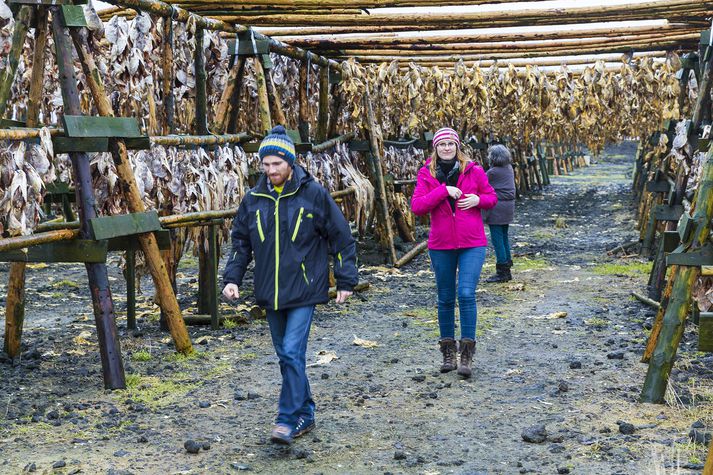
(279, 144)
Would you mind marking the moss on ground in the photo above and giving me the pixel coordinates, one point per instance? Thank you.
(629, 269)
(155, 392)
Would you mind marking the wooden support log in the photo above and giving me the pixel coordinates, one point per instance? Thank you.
(416, 250)
(646, 300)
(382, 208)
(263, 101)
(234, 111)
(676, 309)
(169, 105)
(15, 301)
(24, 133)
(303, 121)
(127, 182)
(333, 142)
(7, 75)
(110, 350)
(201, 126)
(323, 116)
(21, 242)
(178, 140)
(234, 81)
(275, 100)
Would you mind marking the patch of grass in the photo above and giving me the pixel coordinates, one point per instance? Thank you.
(141, 355)
(597, 322)
(229, 324)
(188, 261)
(57, 295)
(420, 312)
(65, 283)
(486, 321)
(181, 358)
(247, 356)
(629, 269)
(525, 263)
(221, 369)
(154, 391)
(544, 234)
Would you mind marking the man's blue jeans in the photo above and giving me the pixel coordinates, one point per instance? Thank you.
(468, 262)
(290, 330)
(501, 242)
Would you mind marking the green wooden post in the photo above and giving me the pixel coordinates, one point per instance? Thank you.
(674, 318)
(131, 289)
(650, 233)
(213, 276)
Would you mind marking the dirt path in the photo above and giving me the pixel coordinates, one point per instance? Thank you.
(384, 409)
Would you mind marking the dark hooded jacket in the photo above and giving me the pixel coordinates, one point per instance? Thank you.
(291, 245)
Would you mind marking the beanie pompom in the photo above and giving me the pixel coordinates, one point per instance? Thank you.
(278, 129)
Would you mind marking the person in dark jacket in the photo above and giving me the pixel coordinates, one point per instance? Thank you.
(290, 224)
(502, 178)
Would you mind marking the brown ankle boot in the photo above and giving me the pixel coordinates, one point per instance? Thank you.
(450, 354)
(467, 350)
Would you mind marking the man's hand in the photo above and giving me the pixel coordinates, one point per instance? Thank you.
(468, 201)
(342, 295)
(231, 292)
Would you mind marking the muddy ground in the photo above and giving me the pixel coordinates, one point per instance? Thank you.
(382, 409)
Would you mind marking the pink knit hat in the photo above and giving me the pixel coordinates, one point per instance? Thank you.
(446, 133)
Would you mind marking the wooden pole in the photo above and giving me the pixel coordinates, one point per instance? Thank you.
(275, 100)
(178, 140)
(333, 142)
(201, 85)
(21, 242)
(169, 127)
(374, 158)
(164, 291)
(7, 76)
(15, 302)
(323, 116)
(110, 350)
(234, 111)
(303, 122)
(416, 250)
(674, 318)
(263, 101)
(234, 81)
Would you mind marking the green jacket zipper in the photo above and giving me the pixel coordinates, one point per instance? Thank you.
(297, 226)
(259, 226)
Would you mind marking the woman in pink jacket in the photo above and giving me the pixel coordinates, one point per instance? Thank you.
(453, 190)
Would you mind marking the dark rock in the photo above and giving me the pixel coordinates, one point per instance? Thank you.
(700, 436)
(698, 424)
(419, 378)
(562, 470)
(535, 434)
(616, 355)
(325, 376)
(53, 415)
(563, 387)
(557, 448)
(30, 467)
(575, 365)
(59, 464)
(121, 453)
(142, 439)
(253, 395)
(399, 455)
(204, 404)
(240, 396)
(205, 445)
(627, 428)
(191, 446)
(301, 453)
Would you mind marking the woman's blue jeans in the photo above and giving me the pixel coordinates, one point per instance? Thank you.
(468, 263)
(501, 242)
(290, 330)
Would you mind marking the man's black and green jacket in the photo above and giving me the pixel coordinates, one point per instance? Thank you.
(291, 236)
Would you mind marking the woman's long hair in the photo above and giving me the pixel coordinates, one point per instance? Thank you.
(460, 156)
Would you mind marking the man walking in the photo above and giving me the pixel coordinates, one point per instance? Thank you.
(291, 224)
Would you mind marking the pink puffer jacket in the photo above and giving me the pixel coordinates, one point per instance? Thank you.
(453, 229)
